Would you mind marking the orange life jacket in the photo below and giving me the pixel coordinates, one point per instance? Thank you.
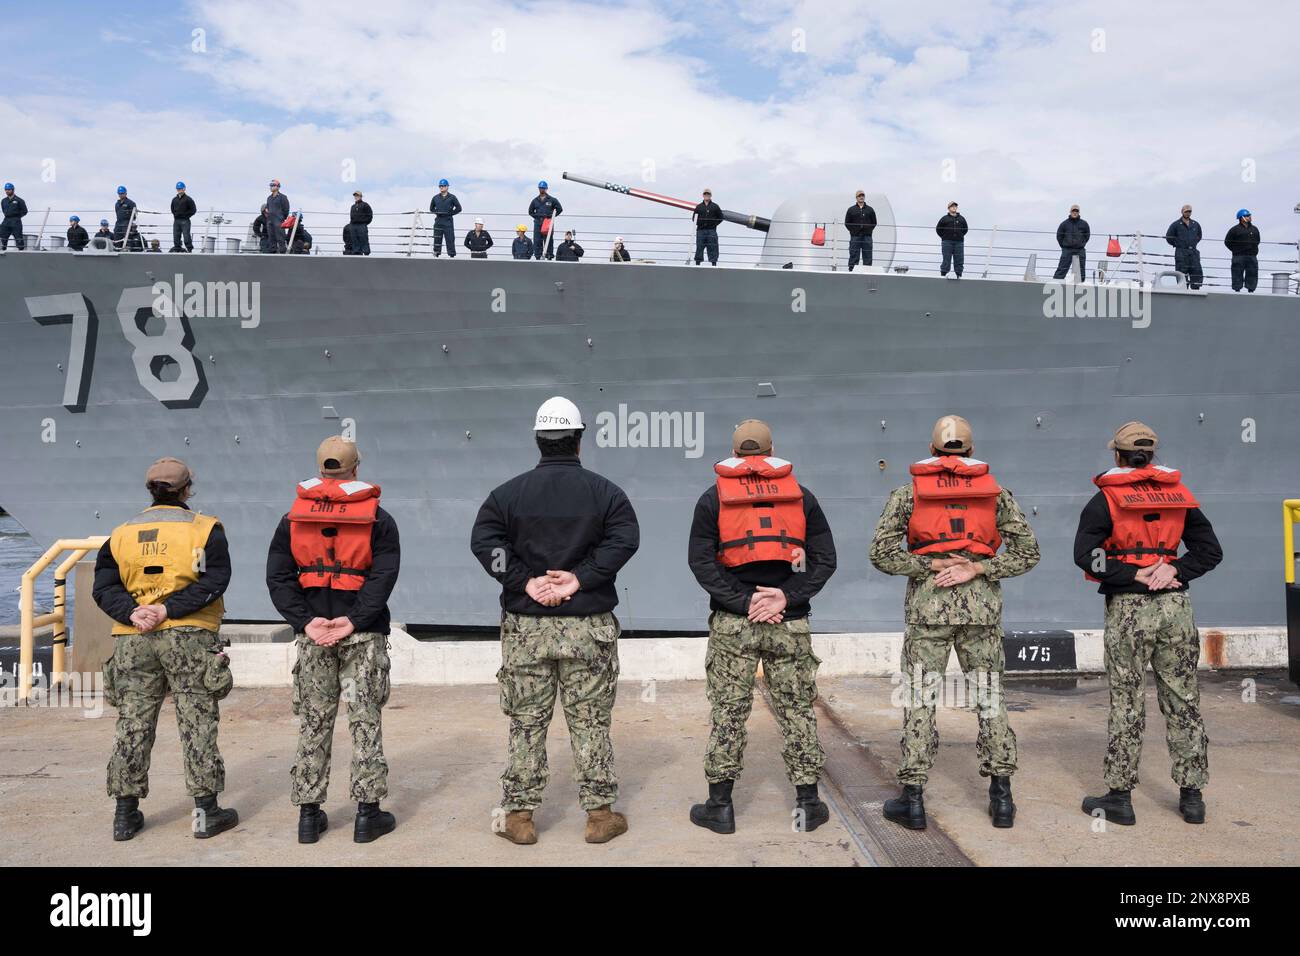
(760, 511)
(1148, 506)
(954, 507)
(329, 532)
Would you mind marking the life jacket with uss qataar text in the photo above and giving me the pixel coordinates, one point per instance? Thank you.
(1148, 507)
(760, 511)
(954, 507)
(329, 532)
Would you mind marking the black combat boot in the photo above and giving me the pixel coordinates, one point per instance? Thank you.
(1190, 804)
(312, 822)
(212, 819)
(1117, 806)
(1001, 809)
(372, 823)
(815, 812)
(717, 813)
(127, 818)
(908, 809)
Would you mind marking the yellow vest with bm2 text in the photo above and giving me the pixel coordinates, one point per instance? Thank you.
(160, 552)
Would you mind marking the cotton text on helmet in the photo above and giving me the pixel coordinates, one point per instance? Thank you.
(557, 418)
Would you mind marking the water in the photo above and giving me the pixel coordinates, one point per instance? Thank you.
(17, 553)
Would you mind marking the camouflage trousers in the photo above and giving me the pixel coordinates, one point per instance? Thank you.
(1156, 629)
(143, 668)
(925, 658)
(736, 647)
(578, 658)
(355, 669)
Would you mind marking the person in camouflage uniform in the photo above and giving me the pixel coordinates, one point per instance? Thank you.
(954, 600)
(160, 577)
(1128, 541)
(555, 538)
(332, 565)
(760, 586)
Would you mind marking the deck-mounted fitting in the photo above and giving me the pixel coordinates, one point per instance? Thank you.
(77, 443)
(328, 411)
(60, 366)
(446, 348)
(187, 439)
(882, 424)
(1200, 418)
(927, 315)
(212, 359)
(1038, 421)
(468, 436)
(559, 287)
(1035, 509)
(236, 439)
(96, 514)
(766, 390)
(327, 353)
(881, 464)
(590, 343)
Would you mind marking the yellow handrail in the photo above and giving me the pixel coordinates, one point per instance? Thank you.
(29, 620)
(1290, 516)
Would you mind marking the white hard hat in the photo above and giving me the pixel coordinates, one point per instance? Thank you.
(478, 222)
(558, 414)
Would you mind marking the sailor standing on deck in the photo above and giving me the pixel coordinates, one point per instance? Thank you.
(543, 207)
(1128, 540)
(1242, 241)
(277, 211)
(707, 216)
(123, 209)
(104, 236)
(333, 563)
(1184, 234)
(1072, 236)
(12, 209)
(761, 547)
(860, 221)
(556, 537)
(78, 238)
(356, 234)
(943, 532)
(952, 230)
(522, 247)
(444, 206)
(183, 210)
(478, 241)
(160, 577)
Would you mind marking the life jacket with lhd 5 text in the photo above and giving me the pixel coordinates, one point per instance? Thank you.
(954, 507)
(329, 532)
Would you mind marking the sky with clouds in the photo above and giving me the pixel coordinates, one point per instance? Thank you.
(1016, 109)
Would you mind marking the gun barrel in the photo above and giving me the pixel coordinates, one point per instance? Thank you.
(739, 218)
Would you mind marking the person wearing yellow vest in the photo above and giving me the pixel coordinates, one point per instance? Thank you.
(160, 577)
(332, 564)
(943, 532)
(1128, 540)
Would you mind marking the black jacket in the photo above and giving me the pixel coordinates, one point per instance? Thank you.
(860, 221)
(360, 214)
(78, 238)
(122, 208)
(367, 608)
(557, 517)
(731, 589)
(952, 227)
(568, 251)
(302, 242)
(1203, 551)
(707, 215)
(13, 207)
(115, 600)
(183, 207)
(278, 204)
(478, 242)
(259, 226)
(1242, 240)
(1073, 233)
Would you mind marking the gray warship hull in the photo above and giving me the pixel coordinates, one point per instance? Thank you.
(438, 367)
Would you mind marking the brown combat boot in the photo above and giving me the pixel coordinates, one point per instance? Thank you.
(519, 828)
(604, 824)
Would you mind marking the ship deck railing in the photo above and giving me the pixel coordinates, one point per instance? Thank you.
(992, 253)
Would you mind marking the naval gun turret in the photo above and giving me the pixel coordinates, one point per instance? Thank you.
(788, 238)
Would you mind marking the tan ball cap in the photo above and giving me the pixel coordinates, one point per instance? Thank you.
(340, 450)
(949, 429)
(172, 472)
(1128, 436)
(752, 437)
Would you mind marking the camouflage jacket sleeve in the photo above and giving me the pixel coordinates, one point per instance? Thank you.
(1019, 546)
(888, 549)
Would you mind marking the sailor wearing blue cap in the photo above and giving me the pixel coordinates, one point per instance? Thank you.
(183, 210)
(543, 207)
(78, 238)
(444, 207)
(123, 208)
(1242, 241)
(13, 209)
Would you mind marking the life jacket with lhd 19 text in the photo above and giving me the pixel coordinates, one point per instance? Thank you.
(760, 511)
(954, 507)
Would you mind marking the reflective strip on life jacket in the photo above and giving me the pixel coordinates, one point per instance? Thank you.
(330, 526)
(954, 507)
(760, 511)
(1148, 508)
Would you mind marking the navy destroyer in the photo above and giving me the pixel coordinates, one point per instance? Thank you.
(241, 364)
